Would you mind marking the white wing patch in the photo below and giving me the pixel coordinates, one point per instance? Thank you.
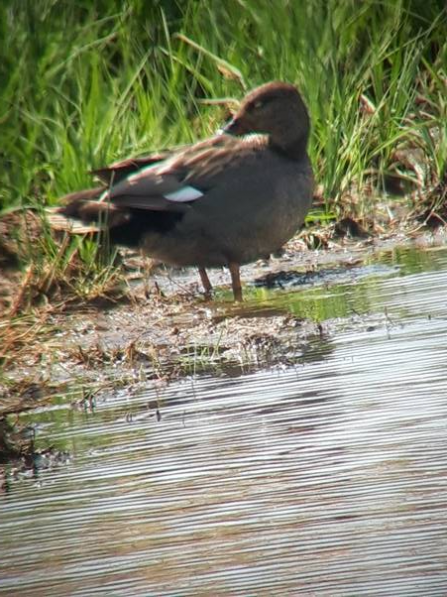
(184, 194)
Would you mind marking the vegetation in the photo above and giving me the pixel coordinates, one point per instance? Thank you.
(86, 82)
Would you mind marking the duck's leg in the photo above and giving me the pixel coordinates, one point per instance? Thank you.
(205, 282)
(236, 281)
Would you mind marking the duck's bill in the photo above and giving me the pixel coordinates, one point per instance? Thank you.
(234, 127)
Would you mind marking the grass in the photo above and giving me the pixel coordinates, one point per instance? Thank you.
(85, 83)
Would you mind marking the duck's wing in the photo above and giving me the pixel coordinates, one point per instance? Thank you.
(169, 185)
(118, 171)
(185, 177)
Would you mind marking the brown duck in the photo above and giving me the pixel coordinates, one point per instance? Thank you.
(225, 201)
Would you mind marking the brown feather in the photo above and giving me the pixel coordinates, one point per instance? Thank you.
(120, 170)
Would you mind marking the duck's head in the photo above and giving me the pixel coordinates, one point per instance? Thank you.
(277, 110)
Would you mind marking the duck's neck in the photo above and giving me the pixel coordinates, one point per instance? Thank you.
(293, 149)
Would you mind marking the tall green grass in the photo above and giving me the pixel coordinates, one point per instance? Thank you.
(83, 83)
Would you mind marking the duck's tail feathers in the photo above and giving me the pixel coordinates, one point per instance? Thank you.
(85, 211)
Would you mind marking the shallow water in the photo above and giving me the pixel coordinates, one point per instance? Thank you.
(328, 477)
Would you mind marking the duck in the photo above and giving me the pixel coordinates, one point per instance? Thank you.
(226, 201)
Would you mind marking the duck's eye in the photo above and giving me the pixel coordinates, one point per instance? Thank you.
(255, 105)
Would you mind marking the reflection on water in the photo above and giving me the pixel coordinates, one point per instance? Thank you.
(326, 478)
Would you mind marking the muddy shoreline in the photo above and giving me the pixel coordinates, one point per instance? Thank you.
(164, 329)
